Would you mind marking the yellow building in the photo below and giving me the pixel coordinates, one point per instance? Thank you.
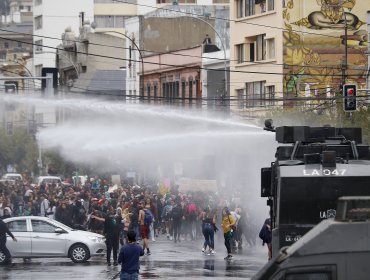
(295, 49)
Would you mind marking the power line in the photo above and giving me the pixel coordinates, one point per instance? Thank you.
(166, 64)
(224, 19)
(177, 54)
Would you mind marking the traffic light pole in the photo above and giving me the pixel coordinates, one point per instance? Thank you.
(345, 49)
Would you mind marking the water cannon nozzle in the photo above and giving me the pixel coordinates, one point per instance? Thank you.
(269, 125)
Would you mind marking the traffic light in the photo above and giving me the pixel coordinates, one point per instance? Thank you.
(349, 94)
(9, 128)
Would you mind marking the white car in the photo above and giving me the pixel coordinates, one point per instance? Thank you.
(13, 176)
(49, 180)
(41, 237)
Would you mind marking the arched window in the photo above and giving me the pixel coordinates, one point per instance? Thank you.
(148, 91)
(155, 90)
(191, 82)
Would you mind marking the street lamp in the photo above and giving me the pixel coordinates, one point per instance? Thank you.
(28, 71)
(5, 66)
(141, 56)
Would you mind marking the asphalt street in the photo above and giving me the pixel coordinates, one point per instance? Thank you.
(168, 261)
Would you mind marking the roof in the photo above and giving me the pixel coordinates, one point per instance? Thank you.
(108, 80)
(17, 28)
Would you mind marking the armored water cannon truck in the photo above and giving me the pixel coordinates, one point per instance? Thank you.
(313, 167)
(335, 249)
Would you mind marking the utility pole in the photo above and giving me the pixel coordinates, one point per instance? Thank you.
(345, 64)
(82, 14)
(368, 55)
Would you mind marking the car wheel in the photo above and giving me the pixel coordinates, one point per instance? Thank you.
(79, 253)
(2, 258)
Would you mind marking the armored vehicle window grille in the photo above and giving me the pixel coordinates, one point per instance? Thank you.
(309, 276)
(355, 210)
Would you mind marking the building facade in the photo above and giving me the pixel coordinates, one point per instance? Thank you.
(168, 30)
(256, 55)
(50, 18)
(295, 49)
(16, 48)
(174, 78)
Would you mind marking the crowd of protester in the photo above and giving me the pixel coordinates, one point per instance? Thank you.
(148, 211)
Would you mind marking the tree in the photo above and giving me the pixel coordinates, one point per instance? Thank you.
(4, 7)
(18, 150)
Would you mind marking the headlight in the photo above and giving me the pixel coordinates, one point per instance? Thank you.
(97, 239)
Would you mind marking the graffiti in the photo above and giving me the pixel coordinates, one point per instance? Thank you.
(314, 45)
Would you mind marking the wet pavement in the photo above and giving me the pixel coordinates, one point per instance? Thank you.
(168, 261)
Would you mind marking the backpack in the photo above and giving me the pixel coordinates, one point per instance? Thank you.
(81, 212)
(265, 235)
(192, 210)
(176, 213)
(167, 213)
(148, 218)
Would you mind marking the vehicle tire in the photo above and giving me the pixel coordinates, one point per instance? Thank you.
(79, 253)
(2, 258)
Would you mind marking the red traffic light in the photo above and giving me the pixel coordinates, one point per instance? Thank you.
(350, 91)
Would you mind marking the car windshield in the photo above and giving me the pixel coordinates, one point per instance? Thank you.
(13, 177)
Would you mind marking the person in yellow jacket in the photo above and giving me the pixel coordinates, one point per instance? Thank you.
(228, 226)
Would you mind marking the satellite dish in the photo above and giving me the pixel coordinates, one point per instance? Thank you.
(93, 25)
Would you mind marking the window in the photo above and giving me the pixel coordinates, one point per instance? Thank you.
(250, 7)
(38, 69)
(38, 2)
(255, 48)
(177, 1)
(164, 90)
(270, 5)
(270, 95)
(115, 1)
(38, 44)
(6, 45)
(239, 8)
(249, 52)
(260, 47)
(255, 94)
(110, 21)
(190, 89)
(41, 226)
(38, 22)
(241, 98)
(270, 48)
(19, 44)
(155, 90)
(17, 226)
(309, 276)
(240, 53)
(148, 91)
(183, 90)
(177, 89)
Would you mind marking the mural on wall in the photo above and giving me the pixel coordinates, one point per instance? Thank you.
(314, 45)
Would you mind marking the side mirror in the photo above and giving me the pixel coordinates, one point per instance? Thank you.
(266, 189)
(59, 230)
